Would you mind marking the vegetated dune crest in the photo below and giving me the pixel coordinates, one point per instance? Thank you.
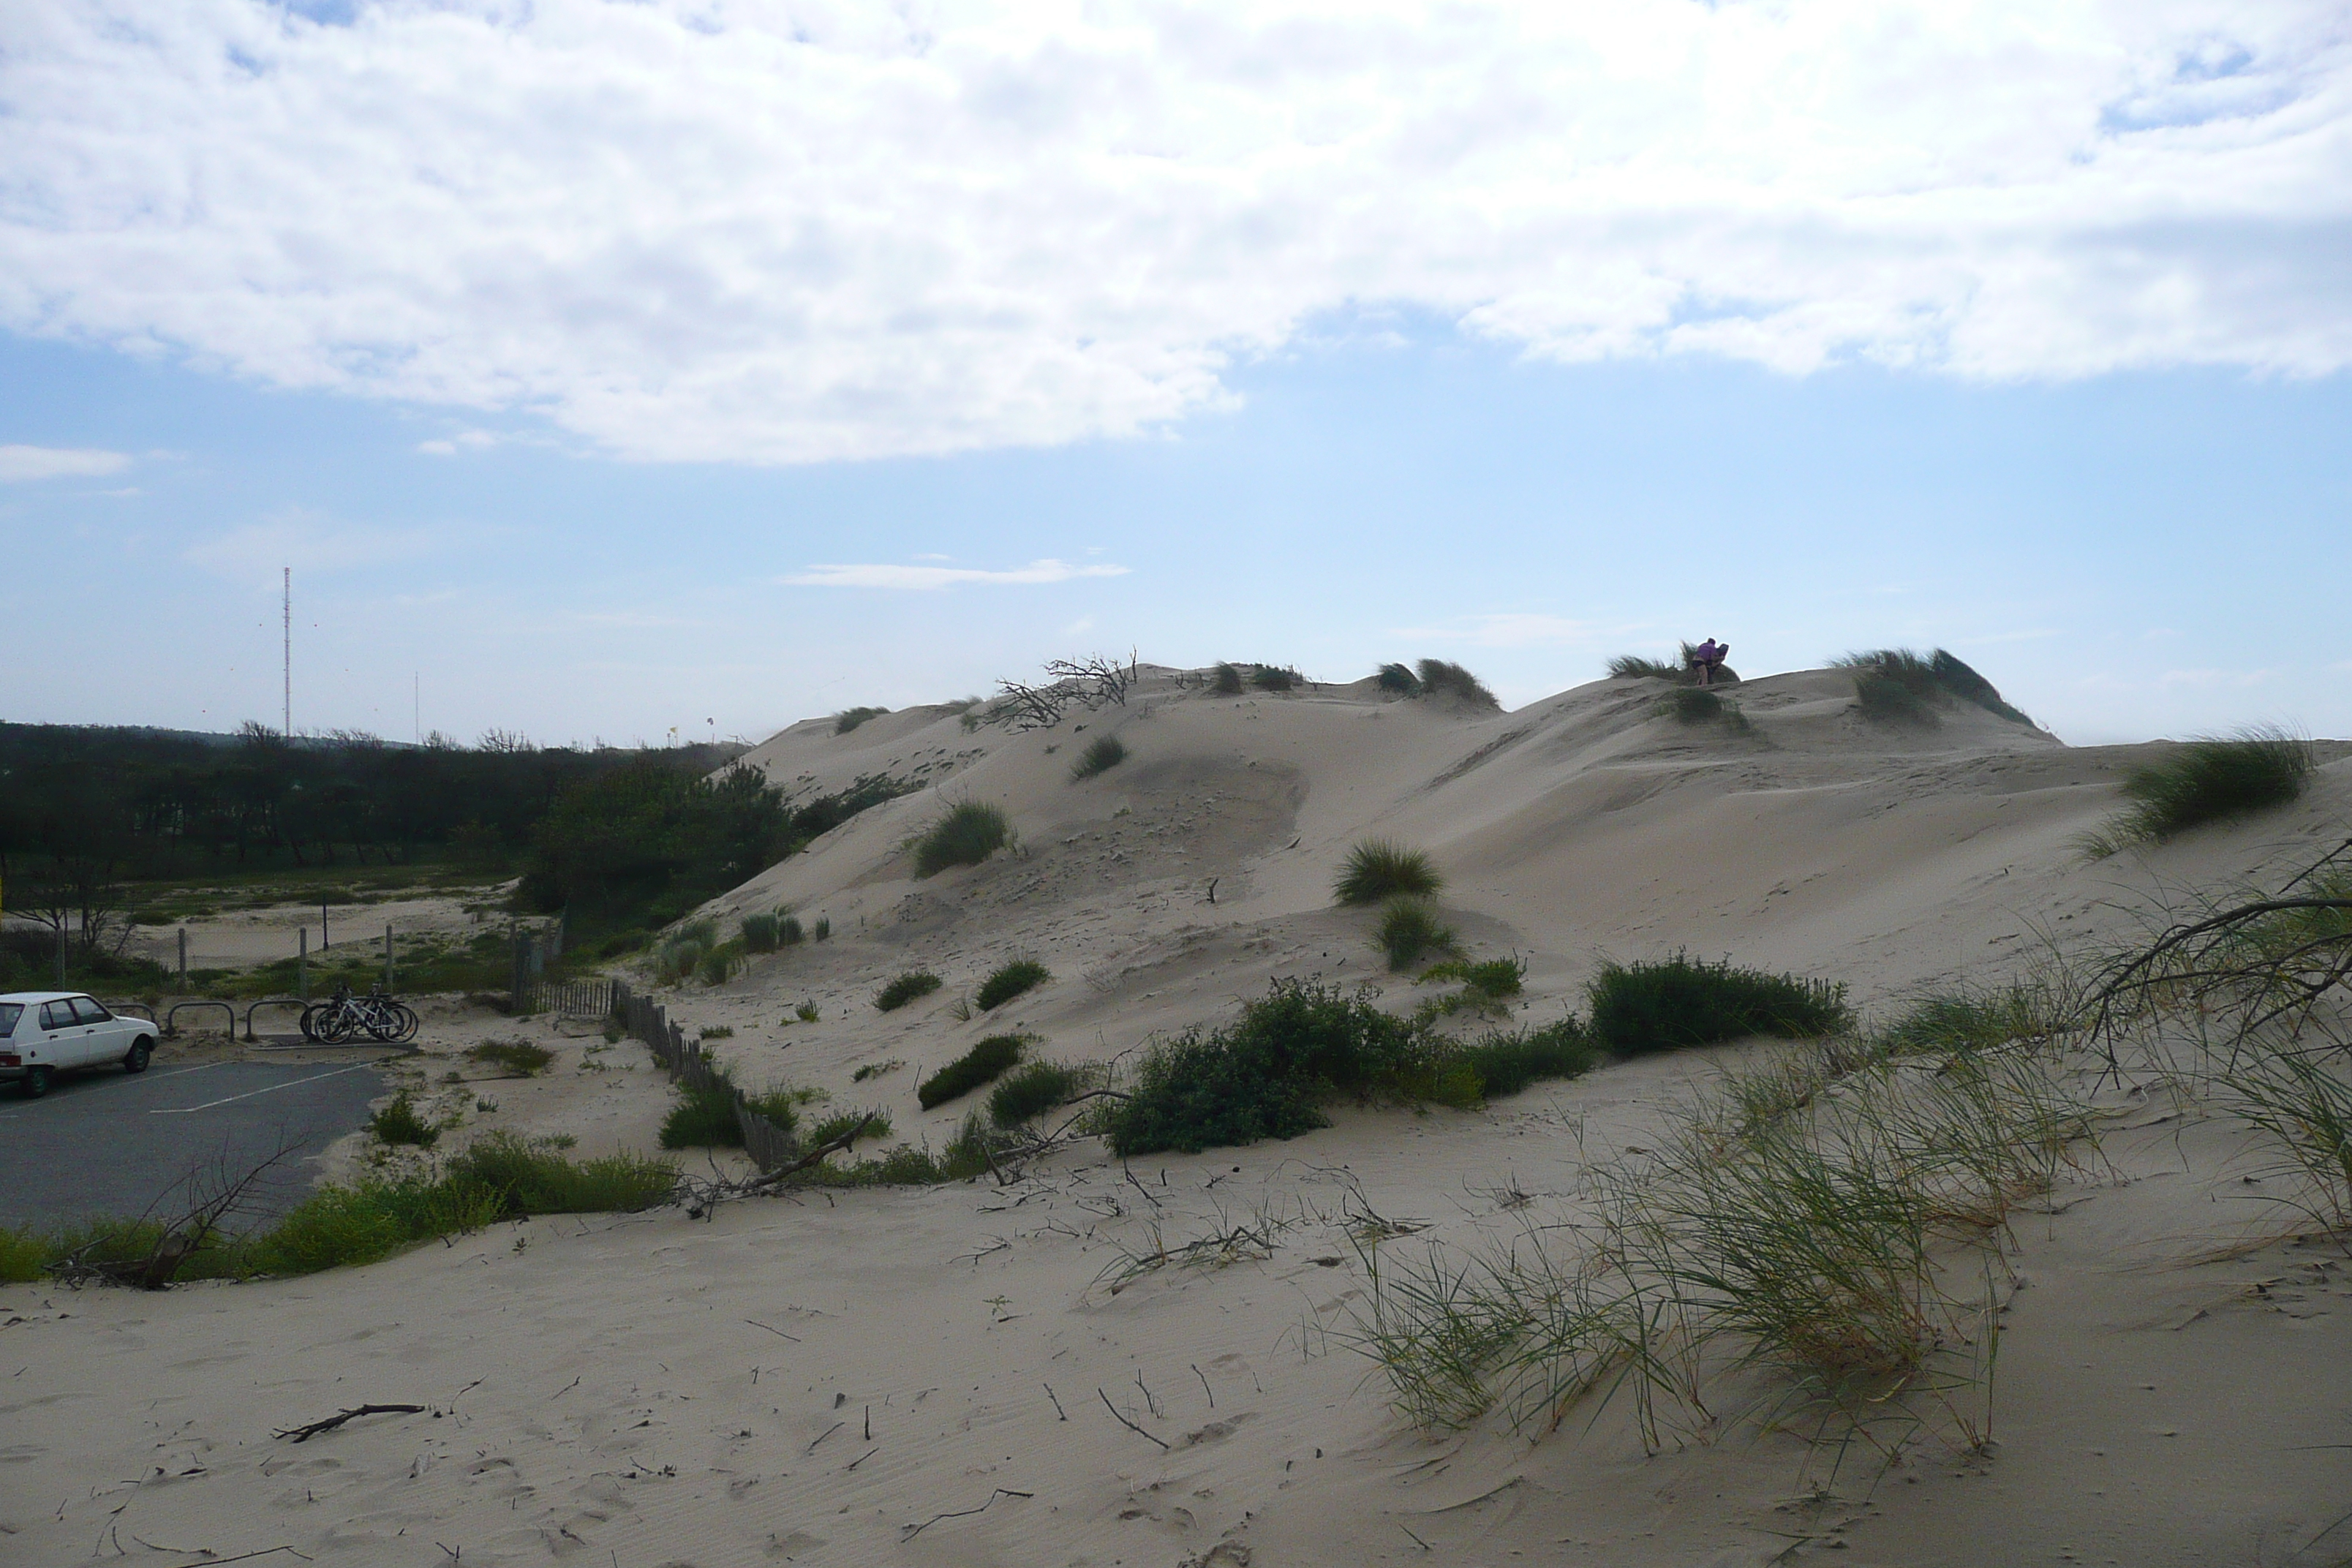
(1054, 1371)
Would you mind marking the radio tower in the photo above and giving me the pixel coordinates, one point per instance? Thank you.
(286, 615)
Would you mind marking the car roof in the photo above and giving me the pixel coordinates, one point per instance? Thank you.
(40, 995)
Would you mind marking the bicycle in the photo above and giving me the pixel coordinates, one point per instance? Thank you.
(377, 1016)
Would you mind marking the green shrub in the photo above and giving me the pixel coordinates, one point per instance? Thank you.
(967, 1154)
(532, 1178)
(1896, 684)
(719, 963)
(2209, 779)
(1031, 1089)
(1103, 755)
(832, 1127)
(848, 719)
(1888, 698)
(1411, 928)
(1507, 1063)
(982, 1064)
(1676, 1002)
(1951, 1025)
(807, 1013)
(1399, 679)
(24, 1254)
(1273, 677)
(1493, 976)
(716, 1032)
(1966, 684)
(780, 1107)
(1692, 704)
(1010, 981)
(822, 929)
(966, 835)
(1441, 679)
(913, 985)
(517, 1057)
(760, 934)
(1226, 680)
(702, 1118)
(1378, 869)
(399, 1123)
(788, 931)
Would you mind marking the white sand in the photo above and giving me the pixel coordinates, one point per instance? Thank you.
(658, 1390)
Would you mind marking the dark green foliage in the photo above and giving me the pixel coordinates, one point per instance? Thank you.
(1692, 704)
(789, 932)
(908, 987)
(968, 834)
(1966, 684)
(1948, 1024)
(719, 962)
(1378, 869)
(780, 1107)
(1273, 677)
(1104, 753)
(982, 1064)
(760, 934)
(875, 1125)
(1886, 699)
(1031, 1089)
(2209, 779)
(1896, 684)
(1493, 976)
(1507, 1063)
(517, 1057)
(535, 1179)
(1399, 679)
(876, 1069)
(1675, 1002)
(967, 1154)
(703, 1118)
(848, 719)
(399, 1123)
(1441, 679)
(822, 931)
(1226, 680)
(1010, 981)
(1410, 928)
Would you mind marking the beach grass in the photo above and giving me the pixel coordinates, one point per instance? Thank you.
(1102, 754)
(968, 833)
(1378, 869)
(1009, 981)
(911, 986)
(984, 1063)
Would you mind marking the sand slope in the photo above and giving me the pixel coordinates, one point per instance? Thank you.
(655, 1390)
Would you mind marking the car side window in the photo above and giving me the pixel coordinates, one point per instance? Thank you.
(89, 1012)
(56, 1014)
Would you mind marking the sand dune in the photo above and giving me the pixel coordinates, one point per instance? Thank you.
(947, 1376)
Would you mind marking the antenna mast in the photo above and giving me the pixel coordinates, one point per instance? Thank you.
(286, 615)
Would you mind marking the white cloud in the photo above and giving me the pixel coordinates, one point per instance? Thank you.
(22, 463)
(1512, 631)
(789, 230)
(308, 541)
(930, 577)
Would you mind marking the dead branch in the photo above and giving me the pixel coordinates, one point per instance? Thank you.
(1130, 1425)
(183, 1237)
(703, 1198)
(913, 1530)
(304, 1434)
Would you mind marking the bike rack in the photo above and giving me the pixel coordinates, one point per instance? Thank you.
(127, 1006)
(295, 1002)
(172, 1029)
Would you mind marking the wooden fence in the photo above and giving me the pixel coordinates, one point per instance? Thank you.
(568, 998)
(642, 1018)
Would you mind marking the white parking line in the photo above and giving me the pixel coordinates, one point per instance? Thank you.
(273, 1089)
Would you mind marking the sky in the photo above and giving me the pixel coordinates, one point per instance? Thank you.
(627, 371)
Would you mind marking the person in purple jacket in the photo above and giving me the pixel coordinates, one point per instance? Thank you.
(1707, 657)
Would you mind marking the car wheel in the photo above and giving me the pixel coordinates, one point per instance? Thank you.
(135, 1059)
(34, 1083)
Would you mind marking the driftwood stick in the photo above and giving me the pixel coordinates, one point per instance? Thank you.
(913, 1530)
(1126, 1423)
(304, 1434)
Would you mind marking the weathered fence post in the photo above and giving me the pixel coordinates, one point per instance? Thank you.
(301, 971)
(183, 959)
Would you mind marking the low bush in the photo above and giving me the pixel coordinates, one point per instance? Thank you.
(908, 987)
(719, 963)
(1888, 698)
(2210, 779)
(703, 1118)
(1410, 930)
(761, 933)
(1953, 1023)
(848, 719)
(1439, 678)
(520, 1057)
(788, 931)
(807, 1013)
(1031, 1089)
(822, 929)
(1273, 677)
(966, 835)
(1494, 976)
(1225, 680)
(1104, 753)
(876, 1124)
(1677, 1002)
(398, 1124)
(781, 1108)
(968, 1154)
(983, 1064)
(1398, 678)
(533, 1178)
(1010, 981)
(1378, 869)
(1507, 1063)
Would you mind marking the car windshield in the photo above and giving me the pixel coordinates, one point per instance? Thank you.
(9, 1012)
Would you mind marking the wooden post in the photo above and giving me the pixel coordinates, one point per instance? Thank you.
(61, 953)
(325, 941)
(302, 967)
(183, 959)
(387, 958)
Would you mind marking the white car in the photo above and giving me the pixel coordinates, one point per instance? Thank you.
(45, 1033)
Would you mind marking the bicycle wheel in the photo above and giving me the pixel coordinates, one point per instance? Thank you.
(310, 1020)
(380, 1022)
(336, 1026)
(407, 1023)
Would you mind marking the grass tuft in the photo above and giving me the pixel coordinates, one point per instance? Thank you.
(704, 1118)
(1635, 667)
(1225, 680)
(848, 719)
(1272, 677)
(1102, 754)
(1379, 869)
(908, 987)
(1031, 1089)
(520, 1058)
(1411, 928)
(1010, 981)
(1677, 1002)
(2209, 780)
(1439, 678)
(983, 1064)
(398, 1124)
(968, 834)
(1898, 685)
(761, 933)
(1399, 679)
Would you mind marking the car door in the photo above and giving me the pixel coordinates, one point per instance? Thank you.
(105, 1037)
(61, 1034)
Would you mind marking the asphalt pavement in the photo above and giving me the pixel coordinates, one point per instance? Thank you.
(108, 1143)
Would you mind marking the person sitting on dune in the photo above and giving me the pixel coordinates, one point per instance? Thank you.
(1707, 659)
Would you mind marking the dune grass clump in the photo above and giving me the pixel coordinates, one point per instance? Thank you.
(1378, 869)
(788, 930)
(1031, 1089)
(968, 834)
(969, 1153)
(520, 1058)
(1010, 981)
(399, 1124)
(1898, 685)
(876, 1069)
(1955, 1023)
(1225, 680)
(848, 719)
(1636, 667)
(1398, 678)
(1102, 754)
(703, 1117)
(761, 933)
(984, 1063)
(1411, 929)
(2209, 780)
(1507, 1063)
(1677, 1002)
(1273, 677)
(913, 986)
(1439, 678)
(822, 931)
(532, 1177)
(718, 964)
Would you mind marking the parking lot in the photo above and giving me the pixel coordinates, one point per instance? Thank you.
(108, 1143)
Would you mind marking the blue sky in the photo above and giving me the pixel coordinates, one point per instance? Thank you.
(563, 426)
